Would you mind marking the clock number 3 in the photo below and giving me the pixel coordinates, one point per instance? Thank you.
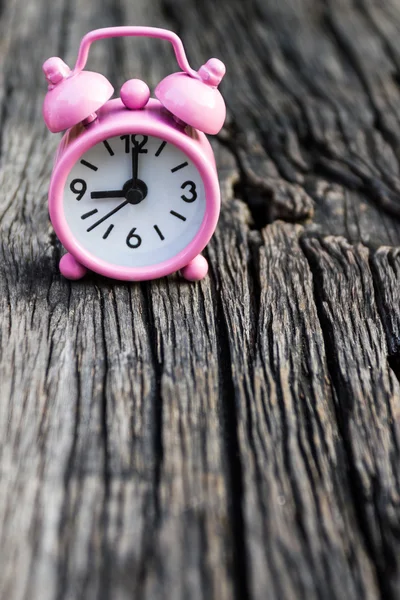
(192, 191)
(137, 240)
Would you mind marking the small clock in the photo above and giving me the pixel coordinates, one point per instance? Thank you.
(134, 192)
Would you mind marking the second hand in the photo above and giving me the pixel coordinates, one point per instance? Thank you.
(112, 212)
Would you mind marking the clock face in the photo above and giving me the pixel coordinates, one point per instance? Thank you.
(134, 200)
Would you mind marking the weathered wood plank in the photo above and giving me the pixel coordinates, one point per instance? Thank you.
(108, 391)
(368, 397)
(296, 493)
(239, 437)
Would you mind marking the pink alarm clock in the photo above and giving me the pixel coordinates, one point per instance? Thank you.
(134, 192)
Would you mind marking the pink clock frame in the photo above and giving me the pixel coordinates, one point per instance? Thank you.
(188, 104)
(113, 120)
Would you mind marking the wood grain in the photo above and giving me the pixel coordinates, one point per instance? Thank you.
(236, 438)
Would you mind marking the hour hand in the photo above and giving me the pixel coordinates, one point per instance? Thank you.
(108, 194)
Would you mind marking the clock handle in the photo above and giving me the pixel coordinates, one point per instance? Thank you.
(153, 32)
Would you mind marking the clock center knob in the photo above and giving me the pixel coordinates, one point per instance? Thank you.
(134, 196)
(135, 191)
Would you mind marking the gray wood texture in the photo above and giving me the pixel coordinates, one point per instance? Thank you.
(240, 437)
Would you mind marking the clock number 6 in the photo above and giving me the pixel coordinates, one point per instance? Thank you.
(78, 187)
(133, 236)
(192, 190)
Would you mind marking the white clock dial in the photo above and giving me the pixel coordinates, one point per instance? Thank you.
(134, 200)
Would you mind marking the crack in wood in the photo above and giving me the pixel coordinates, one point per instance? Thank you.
(268, 199)
(156, 352)
(384, 265)
(239, 569)
(65, 512)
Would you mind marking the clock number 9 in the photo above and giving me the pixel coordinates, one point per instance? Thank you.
(133, 236)
(192, 191)
(78, 187)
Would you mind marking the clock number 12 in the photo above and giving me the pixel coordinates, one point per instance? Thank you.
(131, 139)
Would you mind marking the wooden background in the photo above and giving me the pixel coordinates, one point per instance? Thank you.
(237, 438)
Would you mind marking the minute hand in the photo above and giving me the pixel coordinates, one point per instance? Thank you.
(112, 212)
(108, 194)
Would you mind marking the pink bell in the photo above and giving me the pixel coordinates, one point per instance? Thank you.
(196, 102)
(72, 97)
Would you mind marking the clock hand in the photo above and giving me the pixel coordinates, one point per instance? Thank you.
(112, 212)
(135, 164)
(108, 194)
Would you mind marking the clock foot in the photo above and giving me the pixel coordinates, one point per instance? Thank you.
(197, 269)
(71, 268)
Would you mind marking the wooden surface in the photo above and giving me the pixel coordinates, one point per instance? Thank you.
(237, 438)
